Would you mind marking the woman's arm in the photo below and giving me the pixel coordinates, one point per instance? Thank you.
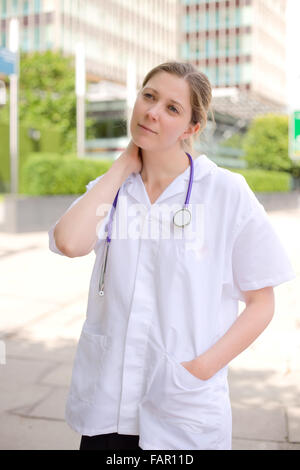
(249, 325)
(76, 232)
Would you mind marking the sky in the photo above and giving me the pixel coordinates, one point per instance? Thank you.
(293, 52)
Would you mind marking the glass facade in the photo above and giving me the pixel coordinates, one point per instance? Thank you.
(10, 8)
(221, 30)
(220, 18)
(145, 31)
(3, 8)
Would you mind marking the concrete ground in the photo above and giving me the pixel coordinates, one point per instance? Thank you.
(43, 304)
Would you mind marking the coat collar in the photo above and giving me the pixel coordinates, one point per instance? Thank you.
(135, 187)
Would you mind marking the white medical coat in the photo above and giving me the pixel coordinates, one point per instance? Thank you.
(167, 301)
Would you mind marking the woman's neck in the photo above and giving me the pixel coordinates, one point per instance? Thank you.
(164, 166)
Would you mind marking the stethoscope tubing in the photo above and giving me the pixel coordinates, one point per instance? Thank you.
(109, 224)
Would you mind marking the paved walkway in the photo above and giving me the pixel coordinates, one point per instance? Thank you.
(43, 304)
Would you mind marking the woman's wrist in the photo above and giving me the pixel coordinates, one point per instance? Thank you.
(122, 167)
(202, 367)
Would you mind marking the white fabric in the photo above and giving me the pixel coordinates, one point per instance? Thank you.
(167, 301)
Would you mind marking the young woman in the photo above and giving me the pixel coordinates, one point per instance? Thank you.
(178, 242)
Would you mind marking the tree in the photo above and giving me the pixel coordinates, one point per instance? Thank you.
(47, 95)
(266, 144)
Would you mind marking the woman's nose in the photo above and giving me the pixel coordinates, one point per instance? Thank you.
(153, 112)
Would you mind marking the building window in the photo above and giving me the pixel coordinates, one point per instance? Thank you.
(227, 46)
(246, 72)
(37, 38)
(49, 36)
(187, 26)
(237, 17)
(217, 19)
(217, 47)
(247, 13)
(237, 74)
(37, 6)
(206, 20)
(25, 7)
(3, 9)
(208, 50)
(237, 45)
(15, 9)
(25, 40)
(227, 76)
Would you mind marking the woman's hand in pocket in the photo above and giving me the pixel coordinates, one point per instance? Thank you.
(196, 368)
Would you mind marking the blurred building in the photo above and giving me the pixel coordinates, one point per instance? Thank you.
(114, 31)
(238, 43)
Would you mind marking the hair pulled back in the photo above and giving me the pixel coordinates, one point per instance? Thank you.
(200, 92)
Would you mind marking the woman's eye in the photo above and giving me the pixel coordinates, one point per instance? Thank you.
(174, 109)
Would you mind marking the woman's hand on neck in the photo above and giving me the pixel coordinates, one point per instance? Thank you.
(163, 166)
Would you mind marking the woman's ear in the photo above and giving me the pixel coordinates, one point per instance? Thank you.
(190, 131)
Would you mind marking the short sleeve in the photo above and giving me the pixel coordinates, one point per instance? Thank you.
(259, 258)
(52, 244)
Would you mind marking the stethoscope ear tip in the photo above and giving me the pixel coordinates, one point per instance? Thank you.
(101, 293)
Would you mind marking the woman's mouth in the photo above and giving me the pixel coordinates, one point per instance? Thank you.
(146, 129)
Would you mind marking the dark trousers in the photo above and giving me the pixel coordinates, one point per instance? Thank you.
(113, 441)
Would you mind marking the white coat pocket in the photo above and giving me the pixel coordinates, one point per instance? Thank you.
(88, 363)
(180, 411)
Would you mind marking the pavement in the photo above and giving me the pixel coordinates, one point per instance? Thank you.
(43, 305)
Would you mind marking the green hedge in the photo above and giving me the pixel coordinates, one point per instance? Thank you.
(55, 174)
(4, 158)
(50, 141)
(261, 181)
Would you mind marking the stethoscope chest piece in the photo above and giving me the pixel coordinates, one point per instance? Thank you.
(182, 217)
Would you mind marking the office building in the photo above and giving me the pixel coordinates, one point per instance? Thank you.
(114, 31)
(238, 43)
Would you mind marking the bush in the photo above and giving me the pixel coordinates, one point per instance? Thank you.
(266, 144)
(49, 142)
(52, 174)
(49, 174)
(261, 181)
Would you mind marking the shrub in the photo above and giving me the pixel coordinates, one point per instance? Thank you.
(261, 181)
(45, 174)
(266, 143)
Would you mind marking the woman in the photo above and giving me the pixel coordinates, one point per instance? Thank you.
(151, 365)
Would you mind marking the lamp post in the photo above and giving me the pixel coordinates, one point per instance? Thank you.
(13, 118)
(80, 97)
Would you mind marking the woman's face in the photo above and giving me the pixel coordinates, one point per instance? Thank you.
(163, 106)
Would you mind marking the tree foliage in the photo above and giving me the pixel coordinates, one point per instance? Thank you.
(47, 95)
(266, 144)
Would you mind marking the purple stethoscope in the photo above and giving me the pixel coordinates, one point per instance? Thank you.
(181, 218)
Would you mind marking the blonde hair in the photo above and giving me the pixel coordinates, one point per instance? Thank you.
(200, 92)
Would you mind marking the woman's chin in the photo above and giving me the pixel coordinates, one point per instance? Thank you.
(141, 142)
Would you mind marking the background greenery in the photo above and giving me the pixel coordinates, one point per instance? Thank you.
(49, 142)
(266, 144)
(48, 164)
(53, 174)
(47, 97)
